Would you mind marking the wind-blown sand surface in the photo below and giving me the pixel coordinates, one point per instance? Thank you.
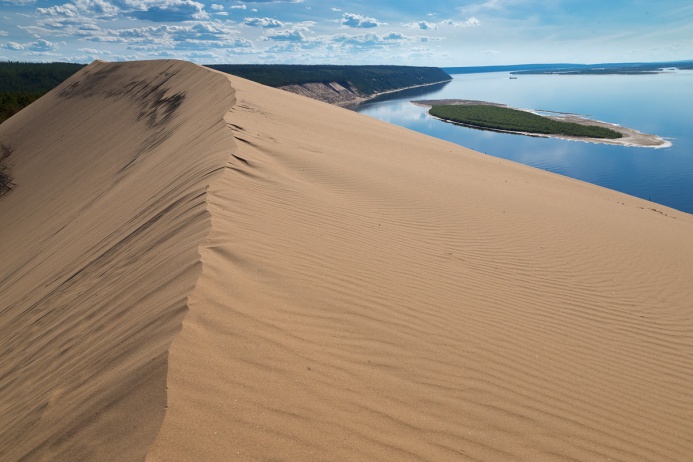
(294, 281)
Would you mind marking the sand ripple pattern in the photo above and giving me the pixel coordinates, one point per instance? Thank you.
(371, 294)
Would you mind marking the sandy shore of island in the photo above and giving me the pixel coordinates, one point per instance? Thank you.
(630, 137)
(250, 274)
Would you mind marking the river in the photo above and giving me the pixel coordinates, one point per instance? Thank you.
(660, 104)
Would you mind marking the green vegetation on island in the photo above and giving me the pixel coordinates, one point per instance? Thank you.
(23, 83)
(515, 120)
(369, 80)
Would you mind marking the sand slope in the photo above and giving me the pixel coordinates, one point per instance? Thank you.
(360, 292)
(99, 249)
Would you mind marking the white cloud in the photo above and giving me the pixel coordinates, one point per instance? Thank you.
(67, 10)
(13, 46)
(423, 25)
(286, 36)
(267, 23)
(217, 7)
(358, 21)
(470, 22)
(197, 36)
(165, 11)
(201, 45)
(99, 8)
(365, 41)
(93, 51)
(42, 45)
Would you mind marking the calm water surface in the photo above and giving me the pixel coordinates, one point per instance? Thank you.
(661, 104)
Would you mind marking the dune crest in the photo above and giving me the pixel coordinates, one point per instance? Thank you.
(253, 275)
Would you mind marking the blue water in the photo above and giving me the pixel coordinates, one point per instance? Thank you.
(660, 104)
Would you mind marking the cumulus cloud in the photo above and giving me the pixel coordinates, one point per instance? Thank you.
(394, 36)
(202, 45)
(165, 37)
(80, 12)
(423, 25)
(471, 22)
(267, 23)
(169, 11)
(42, 45)
(93, 51)
(78, 8)
(286, 36)
(98, 7)
(216, 7)
(13, 46)
(364, 41)
(66, 10)
(356, 20)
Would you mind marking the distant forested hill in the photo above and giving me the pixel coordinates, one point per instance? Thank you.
(369, 80)
(573, 69)
(23, 83)
(508, 68)
(613, 68)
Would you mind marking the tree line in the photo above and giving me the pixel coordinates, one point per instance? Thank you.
(369, 80)
(23, 83)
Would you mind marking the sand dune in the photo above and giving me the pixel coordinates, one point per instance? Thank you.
(99, 249)
(289, 280)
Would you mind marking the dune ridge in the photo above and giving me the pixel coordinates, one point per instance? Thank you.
(313, 284)
(99, 249)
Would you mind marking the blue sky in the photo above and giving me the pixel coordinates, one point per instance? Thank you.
(426, 32)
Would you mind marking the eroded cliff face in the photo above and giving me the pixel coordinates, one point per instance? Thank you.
(333, 92)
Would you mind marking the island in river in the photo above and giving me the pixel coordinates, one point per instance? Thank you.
(625, 136)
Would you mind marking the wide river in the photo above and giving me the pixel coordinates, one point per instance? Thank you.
(660, 104)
